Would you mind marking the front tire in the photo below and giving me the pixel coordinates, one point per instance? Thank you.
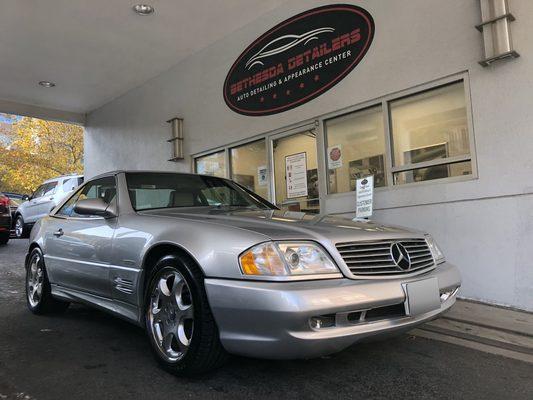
(181, 328)
(38, 292)
(21, 229)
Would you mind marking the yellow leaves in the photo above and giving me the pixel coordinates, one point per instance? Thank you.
(41, 150)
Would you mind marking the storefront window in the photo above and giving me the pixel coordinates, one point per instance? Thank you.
(355, 149)
(212, 164)
(296, 172)
(430, 135)
(401, 139)
(249, 167)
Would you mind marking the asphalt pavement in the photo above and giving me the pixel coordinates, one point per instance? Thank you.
(87, 354)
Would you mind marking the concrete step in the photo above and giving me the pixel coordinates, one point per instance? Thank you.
(496, 317)
(471, 344)
(484, 327)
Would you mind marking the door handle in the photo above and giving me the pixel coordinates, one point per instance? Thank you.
(51, 198)
(58, 233)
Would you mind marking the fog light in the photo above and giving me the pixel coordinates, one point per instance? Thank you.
(447, 294)
(322, 321)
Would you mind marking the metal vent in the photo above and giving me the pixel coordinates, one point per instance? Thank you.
(123, 285)
(387, 257)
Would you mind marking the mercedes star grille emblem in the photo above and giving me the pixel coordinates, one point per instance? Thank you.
(400, 256)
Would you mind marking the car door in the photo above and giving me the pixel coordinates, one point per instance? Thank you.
(79, 248)
(31, 210)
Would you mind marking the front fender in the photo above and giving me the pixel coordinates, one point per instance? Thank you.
(214, 247)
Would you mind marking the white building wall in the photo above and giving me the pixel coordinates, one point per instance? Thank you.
(484, 224)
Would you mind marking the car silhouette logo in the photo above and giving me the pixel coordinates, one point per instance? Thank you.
(400, 256)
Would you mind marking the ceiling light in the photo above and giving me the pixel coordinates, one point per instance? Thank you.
(143, 9)
(47, 84)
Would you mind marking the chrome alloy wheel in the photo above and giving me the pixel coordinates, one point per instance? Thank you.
(19, 227)
(171, 315)
(35, 280)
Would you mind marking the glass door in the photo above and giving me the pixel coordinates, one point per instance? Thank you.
(296, 173)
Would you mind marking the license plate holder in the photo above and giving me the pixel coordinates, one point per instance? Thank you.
(421, 296)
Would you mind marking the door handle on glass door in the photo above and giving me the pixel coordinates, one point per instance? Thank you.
(59, 232)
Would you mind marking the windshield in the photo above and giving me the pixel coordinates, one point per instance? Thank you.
(150, 190)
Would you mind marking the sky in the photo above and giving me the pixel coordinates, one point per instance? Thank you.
(8, 118)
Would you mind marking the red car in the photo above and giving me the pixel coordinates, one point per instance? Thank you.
(5, 219)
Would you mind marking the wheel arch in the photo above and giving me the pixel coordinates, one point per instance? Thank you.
(33, 245)
(158, 251)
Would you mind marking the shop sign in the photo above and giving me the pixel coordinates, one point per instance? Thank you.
(296, 175)
(335, 156)
(364, 197)
(298, 59)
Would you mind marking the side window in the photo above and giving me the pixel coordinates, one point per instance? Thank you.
(38, 192)
(104, 188)
(49, 189)
(68, 207)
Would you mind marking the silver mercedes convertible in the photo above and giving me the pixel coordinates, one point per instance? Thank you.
(210, 268)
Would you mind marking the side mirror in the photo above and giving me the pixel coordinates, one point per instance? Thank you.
(96, 207)
(25, 197)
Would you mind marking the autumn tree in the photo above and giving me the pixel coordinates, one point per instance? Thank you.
(40, 150)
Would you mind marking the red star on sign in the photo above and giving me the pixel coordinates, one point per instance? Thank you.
(317, 78)
(274, 95)
(302, 85)
(262, 99)
(288, 92)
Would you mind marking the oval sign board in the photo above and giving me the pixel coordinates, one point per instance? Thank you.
(298, 59)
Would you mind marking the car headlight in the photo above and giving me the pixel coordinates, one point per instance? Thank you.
(435, 250)
(286, 259)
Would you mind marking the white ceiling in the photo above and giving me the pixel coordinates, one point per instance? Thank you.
(96, 50)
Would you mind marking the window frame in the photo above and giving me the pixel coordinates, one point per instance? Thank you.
(438, 161)
(386, 156)
(78, 191)
(318, 125)
(390, 170)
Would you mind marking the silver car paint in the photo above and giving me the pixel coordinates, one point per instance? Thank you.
(100, 261)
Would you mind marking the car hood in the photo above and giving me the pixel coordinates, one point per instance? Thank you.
(290, 225)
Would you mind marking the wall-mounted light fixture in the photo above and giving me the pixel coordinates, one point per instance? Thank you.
(496, 30)
(176, 140)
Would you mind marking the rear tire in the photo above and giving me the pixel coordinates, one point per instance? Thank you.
(38, 291)
(4, 238)
(176, 302)
(21, 229)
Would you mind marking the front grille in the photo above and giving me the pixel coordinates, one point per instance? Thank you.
(376, 258)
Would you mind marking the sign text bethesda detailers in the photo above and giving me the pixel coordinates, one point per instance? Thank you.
(298, 59)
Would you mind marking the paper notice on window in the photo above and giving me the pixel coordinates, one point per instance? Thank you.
(335, 156)
(296, 175)
(364, 197)
(262, 175)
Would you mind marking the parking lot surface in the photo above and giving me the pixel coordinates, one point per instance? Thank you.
(86, 354)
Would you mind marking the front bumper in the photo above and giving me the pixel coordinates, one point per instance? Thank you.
(272, 319)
